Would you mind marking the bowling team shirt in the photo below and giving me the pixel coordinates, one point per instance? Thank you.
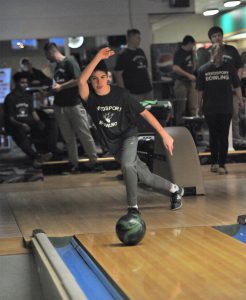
(135, 74)
(216, 84)
(18, 105)
(66, 70)
(231, 55)
(114, 115)
(184, 59)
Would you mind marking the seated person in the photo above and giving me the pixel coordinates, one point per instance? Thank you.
(23, 123)
(35, 77)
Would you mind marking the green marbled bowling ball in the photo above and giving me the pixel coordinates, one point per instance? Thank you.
(130, 229)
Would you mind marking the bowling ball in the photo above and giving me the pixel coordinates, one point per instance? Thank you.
(130, 229)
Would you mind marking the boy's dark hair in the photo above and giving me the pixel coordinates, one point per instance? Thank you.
(101, 66)
(214, 29)
(25, 60)
(188, 39)
(19, 75)
(131, 32)
(49, 46)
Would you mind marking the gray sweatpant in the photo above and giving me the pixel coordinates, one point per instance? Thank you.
(73, 123)
(134, 170)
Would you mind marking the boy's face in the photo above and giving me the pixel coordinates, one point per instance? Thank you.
(99, 82)
(22, 84)
(134, 40)
(49, 54)
(217, 38)
(190, 46)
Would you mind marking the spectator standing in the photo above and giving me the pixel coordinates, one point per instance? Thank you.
(214, 83)
(184, 67)
(131, 70)
(231, 55)
(35, 77)
(69, 112)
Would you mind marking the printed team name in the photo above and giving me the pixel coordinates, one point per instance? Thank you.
(108, 125)
(217, 75)
(108, 108)
(22, 105)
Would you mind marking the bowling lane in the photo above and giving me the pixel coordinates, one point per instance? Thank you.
(188, 263)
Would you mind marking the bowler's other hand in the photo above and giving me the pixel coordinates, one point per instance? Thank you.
(105, 53)
(192, 77)
(168, 143)
(241, 104)
(56, 88)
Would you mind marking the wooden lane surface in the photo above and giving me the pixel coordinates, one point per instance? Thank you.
(12, 246)
(181, 264)
(91, 203)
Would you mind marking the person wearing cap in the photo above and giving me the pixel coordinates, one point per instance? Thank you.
(184, 87)
(35, 77)
(231, 55)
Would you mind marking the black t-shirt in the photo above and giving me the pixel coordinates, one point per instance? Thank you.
(231, 55)
(39, 76)
(184, 59)
(134, 65)
(216, 84)
(114, 115)
(66, 70)
(18, 105)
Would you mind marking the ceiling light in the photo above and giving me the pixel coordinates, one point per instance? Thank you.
(231, 3)
(210, 12)
(75, 42)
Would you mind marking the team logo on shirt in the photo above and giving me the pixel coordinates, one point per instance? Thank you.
(22, 110)
(107, 120)
(108, 113)
(217, 75)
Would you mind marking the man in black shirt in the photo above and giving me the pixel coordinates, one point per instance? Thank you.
(214, 83)
(132, 68)
(35, 76)
(23, 123)
(231, 55)
(69, 113)
(114, 112)
(184, 86)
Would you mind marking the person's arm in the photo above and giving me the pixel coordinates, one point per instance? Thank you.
(240, 73)
(166, 138)
(199, 101)
(180, 71)
(119, 79)
(238, 92)
(35, 116)
(104, 53)
(66, 85)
